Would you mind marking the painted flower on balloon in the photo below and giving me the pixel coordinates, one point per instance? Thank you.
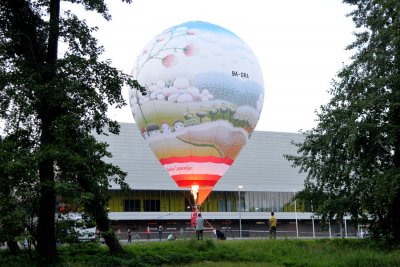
(190, 50)
(169, 61)
(160, 38)
(162, 50)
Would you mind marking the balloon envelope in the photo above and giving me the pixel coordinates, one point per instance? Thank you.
(204, 98)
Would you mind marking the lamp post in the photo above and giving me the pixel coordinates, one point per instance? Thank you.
(295, 210)
(240, 187)
(312, 218)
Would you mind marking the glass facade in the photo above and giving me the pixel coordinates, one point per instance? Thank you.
(217, 201)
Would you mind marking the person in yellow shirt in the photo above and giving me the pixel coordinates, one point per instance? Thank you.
(272, 226)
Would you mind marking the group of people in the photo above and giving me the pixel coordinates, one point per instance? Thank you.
(160, 232)
(148, 233)
(198, 223)
(200, 228)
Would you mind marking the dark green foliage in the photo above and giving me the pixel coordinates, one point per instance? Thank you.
(65, 233)
(17, 189)
(352, 157)
(50, 102)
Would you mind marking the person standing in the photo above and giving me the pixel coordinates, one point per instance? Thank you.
(193, 217)
(148, 232)
(129, 236)
(199, 227)
(160, 230)
(272, 226)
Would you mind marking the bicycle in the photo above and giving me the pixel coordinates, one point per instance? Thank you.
(135, 236)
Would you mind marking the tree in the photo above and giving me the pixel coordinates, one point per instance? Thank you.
(60, 98)
(352, 156)
(17, 188)
(82, 160)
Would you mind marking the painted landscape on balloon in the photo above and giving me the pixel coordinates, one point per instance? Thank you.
(217, 139)
(193, 120)
(208, 97)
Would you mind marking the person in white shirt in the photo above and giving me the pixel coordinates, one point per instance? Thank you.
(199, 227)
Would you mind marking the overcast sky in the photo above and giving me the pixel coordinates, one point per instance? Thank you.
(300, 46)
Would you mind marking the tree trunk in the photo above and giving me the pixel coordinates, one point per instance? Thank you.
(46, 240)
(396, 124)
(12, 247)
(48, 114)
(109, 235)
(97, 209)
(395, 207)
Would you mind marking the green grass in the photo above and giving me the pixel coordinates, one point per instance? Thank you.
(324, 252)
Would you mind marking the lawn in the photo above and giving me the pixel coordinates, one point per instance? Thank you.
(321, 252)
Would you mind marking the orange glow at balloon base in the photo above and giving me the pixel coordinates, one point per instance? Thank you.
(202, 183)
(202, 195)
(187, 180)
(194, 191)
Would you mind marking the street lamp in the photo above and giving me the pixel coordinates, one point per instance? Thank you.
(240, 187)
(295, 210)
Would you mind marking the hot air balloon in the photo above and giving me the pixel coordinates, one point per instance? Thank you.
(204, 98)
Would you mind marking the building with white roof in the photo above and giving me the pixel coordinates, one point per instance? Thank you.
(261, 176)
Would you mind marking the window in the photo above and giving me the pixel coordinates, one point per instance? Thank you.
(151, 205)
(221, 205)
(131, 205)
